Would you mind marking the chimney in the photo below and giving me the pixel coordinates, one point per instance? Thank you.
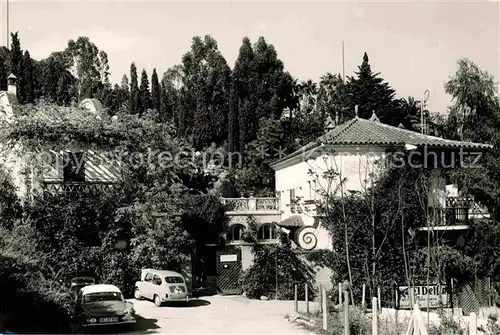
(336, 119)
(356, 110)
(12, 84)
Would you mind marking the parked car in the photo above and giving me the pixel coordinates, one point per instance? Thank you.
(103, 305)
(78, 283)
(161, 286)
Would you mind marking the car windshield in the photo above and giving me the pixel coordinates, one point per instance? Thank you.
(102, 296)
(174, 280)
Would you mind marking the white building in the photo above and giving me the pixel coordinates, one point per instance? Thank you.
(355, 151)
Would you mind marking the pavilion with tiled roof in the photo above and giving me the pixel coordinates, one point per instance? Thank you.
(371, 132)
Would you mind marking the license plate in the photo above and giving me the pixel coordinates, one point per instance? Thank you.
(109, 319)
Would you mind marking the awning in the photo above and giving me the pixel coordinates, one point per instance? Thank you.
(293, 221)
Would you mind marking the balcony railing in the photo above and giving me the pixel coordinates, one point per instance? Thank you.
(252, 204)
(57, 187)
(458, 211)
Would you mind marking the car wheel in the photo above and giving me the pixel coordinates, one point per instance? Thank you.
(137, 294)
(157, 301)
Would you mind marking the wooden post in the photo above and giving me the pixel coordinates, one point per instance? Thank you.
(396, 306)
(307, 298)
(321, 298)
(379, 302)
(296, 299)
(473, 324)
(374, 317)
(363, 302)
(324, 308)
(340, 293)
(347, 330)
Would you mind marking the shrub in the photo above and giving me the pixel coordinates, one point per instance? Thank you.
(32, 298)
(280, 265)
(359, 322)
(447, 326)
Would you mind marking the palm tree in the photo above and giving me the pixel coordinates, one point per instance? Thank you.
(309, 94)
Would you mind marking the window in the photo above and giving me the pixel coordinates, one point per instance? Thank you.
(174, 280)
(157, 280)
(149, 277)
(102, 296)
(74, 167)
(235, 233)
(292, 200)
(267, 231)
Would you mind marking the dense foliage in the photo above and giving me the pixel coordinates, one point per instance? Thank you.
(276, 269)
(207, 103)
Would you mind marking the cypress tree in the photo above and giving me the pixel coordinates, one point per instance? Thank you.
(144, 95)
(155, 91)
(27, 85)
(134, 90)
(245, 81)
(163, 103)
(3, 75)
(16, 55)
(233, 129)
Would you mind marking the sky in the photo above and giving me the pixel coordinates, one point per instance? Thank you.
(414, 45)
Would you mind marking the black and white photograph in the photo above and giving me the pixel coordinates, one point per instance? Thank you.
(250, 167)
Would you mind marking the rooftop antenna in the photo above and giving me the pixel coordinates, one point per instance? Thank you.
(422, 107)
(8, 28)
(343, 63)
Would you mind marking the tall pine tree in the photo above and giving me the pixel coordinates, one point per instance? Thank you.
(155, 91)
(144, 95)
(371, 93)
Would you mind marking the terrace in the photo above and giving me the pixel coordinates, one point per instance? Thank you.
(252, 205)
(457, 214)
(57, 187)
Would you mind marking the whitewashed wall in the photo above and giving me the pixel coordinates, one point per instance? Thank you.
(355, 164)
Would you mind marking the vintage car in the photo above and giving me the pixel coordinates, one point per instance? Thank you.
(161, 286)
(103, 305)
(78, 283)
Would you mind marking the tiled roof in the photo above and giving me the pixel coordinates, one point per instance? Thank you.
(359, 131)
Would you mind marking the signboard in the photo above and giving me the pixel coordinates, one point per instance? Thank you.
(438, 296)
(228, 258)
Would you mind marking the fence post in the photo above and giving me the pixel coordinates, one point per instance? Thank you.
(296, 299)
(307, 298)
(363, 303)
(378, 300)
(324, 307)
(374, 317)
(472, 324)
(489, 293)
(321, 298)
(347, 330)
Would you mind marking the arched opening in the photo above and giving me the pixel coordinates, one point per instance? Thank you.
(235, 233)
(267, 231)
